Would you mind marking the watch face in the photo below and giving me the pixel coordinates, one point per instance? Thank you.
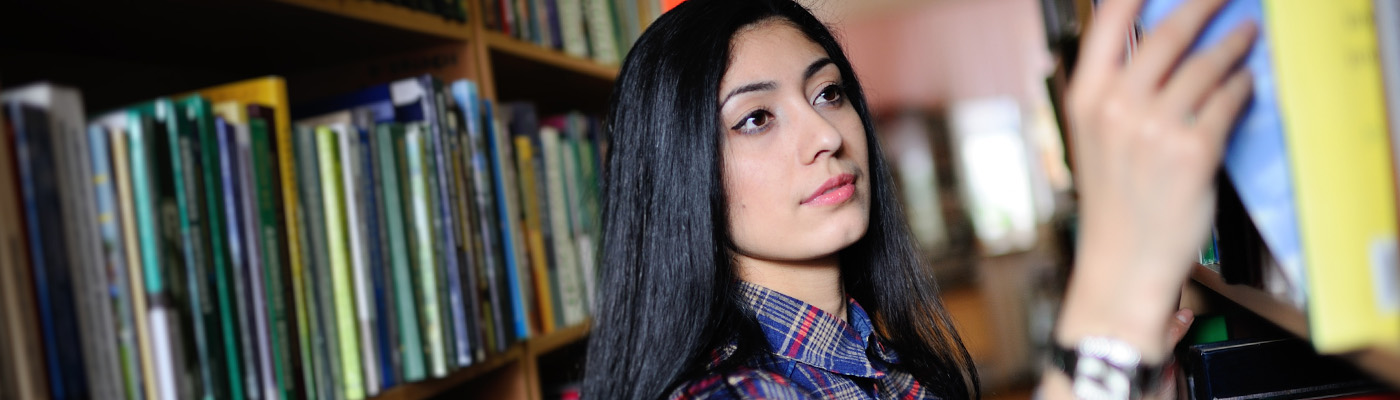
(1095, 379)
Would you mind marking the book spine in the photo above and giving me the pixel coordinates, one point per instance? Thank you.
(242, 291)
(320, 306)
(341, 280)
(125, 200)
(23, 343)
(114, 260)
(270, 236)
(200, 333)
(488, 225)
(602, 37)
(410, 340)
(427, 278)
(257, 270)
(1330, 95)
(573, 182)
(524, 156)
(218, 276)
(444, 222)
(354, 220)
(512, 243)
(478, 313)
(157, 312)
(376, 262)
(566, 269)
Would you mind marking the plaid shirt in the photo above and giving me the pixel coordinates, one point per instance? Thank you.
(814, 355)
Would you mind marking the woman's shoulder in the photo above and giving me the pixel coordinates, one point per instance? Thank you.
(740, 383)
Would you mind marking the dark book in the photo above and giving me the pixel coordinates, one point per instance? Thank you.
(277, 268)
(186, 119)
(320, 305)
(48, 253)
(1239, 247)
(234, 227)
(1270, 368)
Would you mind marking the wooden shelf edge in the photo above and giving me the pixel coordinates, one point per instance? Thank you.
(1381, 363)
(500, 42)
(432, 387)
(391, 15)
(557, 339)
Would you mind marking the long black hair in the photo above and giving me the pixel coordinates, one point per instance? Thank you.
(666, 295)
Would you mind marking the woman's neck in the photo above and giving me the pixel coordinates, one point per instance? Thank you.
(816, 282)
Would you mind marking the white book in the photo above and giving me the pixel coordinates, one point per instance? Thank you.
(571, 27)
(364, 295)
(566, 272)
(602, 38)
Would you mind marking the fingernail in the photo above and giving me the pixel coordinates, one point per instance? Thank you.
(1184, 316)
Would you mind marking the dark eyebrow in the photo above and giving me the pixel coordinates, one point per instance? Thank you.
(752, 87)
(812, 69)
(815, 67)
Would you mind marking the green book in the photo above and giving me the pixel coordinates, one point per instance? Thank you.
(190, 117)
(320, 312)
(423, 250)
(265, 185)
(346, 321)
(410, 340)
(218, 268)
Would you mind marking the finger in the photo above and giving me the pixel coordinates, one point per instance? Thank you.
(1163, 46)
(1103, 45)
(1179, 324)
(1222, 107)
(1201, 74)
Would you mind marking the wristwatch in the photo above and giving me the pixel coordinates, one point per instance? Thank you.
(1103, 368)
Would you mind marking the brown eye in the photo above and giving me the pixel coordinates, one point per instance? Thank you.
(830, 94)
(755, 122)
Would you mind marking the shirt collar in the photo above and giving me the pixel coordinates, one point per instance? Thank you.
(809, 335)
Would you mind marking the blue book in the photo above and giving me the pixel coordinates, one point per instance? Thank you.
(1256, 158)
(506, 213)
(52, 278)
(114, 259)
(238, 254)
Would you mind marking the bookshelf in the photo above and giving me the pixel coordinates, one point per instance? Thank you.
(118, 53)
(1382, 363)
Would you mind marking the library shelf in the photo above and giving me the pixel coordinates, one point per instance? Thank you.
(520, 355)
(388, 14)
(497, 41)
(1382, 363)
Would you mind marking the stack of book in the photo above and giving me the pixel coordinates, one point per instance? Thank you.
(220, 244)
(602, 30)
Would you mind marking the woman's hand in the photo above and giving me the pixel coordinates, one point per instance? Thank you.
(1148, 137)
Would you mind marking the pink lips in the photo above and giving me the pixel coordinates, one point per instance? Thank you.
(836, 190)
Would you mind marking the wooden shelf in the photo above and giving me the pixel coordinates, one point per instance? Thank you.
(514, 355)
(387, 14)
(497, 41)
(433, 387)
(1381, 363)
(559, 338)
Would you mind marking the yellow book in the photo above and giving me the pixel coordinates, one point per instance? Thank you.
(534, 237)
(1330, 96)
(121, 168)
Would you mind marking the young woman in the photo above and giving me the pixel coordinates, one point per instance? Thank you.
(754, 247)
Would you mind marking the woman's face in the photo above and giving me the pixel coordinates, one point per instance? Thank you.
(795, 160)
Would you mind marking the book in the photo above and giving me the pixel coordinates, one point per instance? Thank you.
(415, 100)
(256, 255)
(271, 92)
(116, 124)
(1332, 102)
(566, 271)
(22, 342)
(67, 135)
(1268, 368)
(320, 305)
(488, 225)
(346, 317)
(571, 27)
(515, 262)
(277, 273)
(1256, 158)
(422, 248)
(1387, 22)
(602, 36)
(523, 122)
(350, 167)
(475, 253)
(410, 340)
(140, 131)
(241, 290)
(186, 118)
